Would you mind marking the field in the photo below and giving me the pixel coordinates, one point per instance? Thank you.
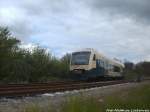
(130, 99)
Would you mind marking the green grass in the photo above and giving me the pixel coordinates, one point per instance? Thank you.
(78, 104)
(37, 108)
(135, 98)
(33, 108)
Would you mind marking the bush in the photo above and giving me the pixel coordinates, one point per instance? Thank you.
(23, 66)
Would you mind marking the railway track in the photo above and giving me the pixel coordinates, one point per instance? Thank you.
(15, 90)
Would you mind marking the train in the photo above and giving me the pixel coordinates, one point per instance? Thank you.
(89, 64)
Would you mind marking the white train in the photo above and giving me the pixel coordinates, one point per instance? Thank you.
(88, 63)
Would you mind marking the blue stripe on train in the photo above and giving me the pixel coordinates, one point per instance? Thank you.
(95, 72)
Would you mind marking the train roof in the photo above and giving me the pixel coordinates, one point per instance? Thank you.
(113, 61)
(85, 49)
(118, 63)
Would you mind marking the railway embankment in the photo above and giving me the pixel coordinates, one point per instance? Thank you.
(61, 101)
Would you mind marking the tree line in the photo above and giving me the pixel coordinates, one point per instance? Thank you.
(137, 71)
(19, 65)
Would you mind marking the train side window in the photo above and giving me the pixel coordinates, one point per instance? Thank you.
(105, 65)
(94, 57)
(116, 69)
(110, 67)
(99, 63)
(102, 64)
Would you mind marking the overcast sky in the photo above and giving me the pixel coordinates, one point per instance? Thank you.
(116, 28)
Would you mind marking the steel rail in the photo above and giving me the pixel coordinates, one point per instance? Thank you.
(33, 89)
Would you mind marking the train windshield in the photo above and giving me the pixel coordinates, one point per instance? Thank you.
(80, 58)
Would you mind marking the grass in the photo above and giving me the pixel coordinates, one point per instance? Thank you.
(74, 104)
(33, 108)
(77, 104)
(37, 108)
(137, 98)
(130, 99)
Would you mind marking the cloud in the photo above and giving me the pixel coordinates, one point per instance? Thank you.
(16, 20)
(147, 58)
(136, 9)
(113, 27)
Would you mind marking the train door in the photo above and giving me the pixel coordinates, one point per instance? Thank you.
(94, 61)
(100, 67)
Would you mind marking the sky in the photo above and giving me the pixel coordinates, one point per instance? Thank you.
(116, 28)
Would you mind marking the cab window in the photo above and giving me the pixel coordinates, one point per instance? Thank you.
(94, 57)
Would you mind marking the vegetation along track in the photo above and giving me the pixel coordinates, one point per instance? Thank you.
(12, 90)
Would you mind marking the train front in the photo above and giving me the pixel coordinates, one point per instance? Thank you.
(79, 64)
